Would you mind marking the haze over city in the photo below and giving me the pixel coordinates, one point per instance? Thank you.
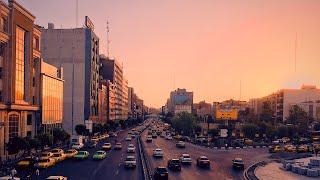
(207, 47)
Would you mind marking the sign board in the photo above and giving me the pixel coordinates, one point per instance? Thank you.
(223, 132)
(88, 23)
(88, 124)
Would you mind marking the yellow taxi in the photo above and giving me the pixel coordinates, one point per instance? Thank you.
(58, 157)
(70, 153)
(45, 163)
(46, 155)
(290, 148)
(26, 162)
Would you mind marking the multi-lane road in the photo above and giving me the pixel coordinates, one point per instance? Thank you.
(221, 160)
(112, 167)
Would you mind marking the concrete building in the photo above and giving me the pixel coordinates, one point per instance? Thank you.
(180, 101)
(312, 108)
(282, 100)
(77, 51)
(51, 96)
(111, 70)
(111, 98)
(202, 109)
(103, 104)
(19, 92)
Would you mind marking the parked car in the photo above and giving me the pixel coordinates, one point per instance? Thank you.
(99, 155)
(275, 149)
(174, 164)
(160, 173)
(290, 148)
(130, 162)
(237, 163)
(203, 161)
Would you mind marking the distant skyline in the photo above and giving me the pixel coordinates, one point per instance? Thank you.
(206, 46)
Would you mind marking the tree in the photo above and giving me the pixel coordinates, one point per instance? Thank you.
(214, 132)
(60, 135)
(249, 130)
(184, 123)
(316, 127)
(267, 112)
(16, 145)
(81, 129)
(298, 117)
(45, 139)
(282, 131)
(34, 143)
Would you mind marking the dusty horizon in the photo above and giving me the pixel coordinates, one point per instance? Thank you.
(207, 47)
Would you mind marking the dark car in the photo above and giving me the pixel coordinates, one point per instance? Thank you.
(161, 173)
(174, 164)
(203, 161)
(238, 163)
(91, 144)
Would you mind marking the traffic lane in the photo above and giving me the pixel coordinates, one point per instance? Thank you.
(188, 172)
(114, 167)
(82, 169)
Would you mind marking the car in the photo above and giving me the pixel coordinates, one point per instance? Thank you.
(290, 148)
(70, 153)
(58, 157)
(99, 155)
(162, 135)
(118, 146)
(131, 148)
(91, 144)
(180, 144)
(174, 164)
(275, 149)
(154, 136)
(46, 155)
(237, 163)
(56, 178)
(203, 161)
(133, 136)
(113, 134)
(77, 146)
(106, 146)
(158, 153)
(303, 149)
(185, 159)
(130, 162)
(149, 138)
(57, 151)
(160, 173)
(128, 138)
(95, 138)
(169, 138)
(285, 139)
(82, 155)
(45, 163)
(26, 162)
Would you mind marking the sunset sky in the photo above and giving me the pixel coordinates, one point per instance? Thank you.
(205, 46)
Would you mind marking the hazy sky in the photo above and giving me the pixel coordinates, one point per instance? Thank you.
(206, 46)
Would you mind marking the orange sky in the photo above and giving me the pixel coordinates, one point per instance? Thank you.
(206, 46)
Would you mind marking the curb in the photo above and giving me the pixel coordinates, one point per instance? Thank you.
(249, 174)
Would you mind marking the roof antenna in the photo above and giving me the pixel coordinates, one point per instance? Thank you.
(108, 40)
(77, 3)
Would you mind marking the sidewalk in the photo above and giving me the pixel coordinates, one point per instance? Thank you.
(273, 171)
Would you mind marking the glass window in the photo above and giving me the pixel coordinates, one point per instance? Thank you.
(20, 60)
(13, 126)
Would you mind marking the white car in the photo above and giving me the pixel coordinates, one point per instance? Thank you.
(130, 162)
(128, 138)
(57, 178)
(169, 138)
(77, 146)
(131, 148)
(185, 159)
(157, 153)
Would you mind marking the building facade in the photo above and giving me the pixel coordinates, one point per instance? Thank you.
(77, 51)
(202, 109)
(51, 97)
(19, 92)
(103, 104)
(180, 101)
(112, 70)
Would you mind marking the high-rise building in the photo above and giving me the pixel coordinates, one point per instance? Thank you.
(19, 91)
(112, 70)
(180, 101)
(77, 51)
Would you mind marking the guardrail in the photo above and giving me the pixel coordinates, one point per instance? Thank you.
(144, 161)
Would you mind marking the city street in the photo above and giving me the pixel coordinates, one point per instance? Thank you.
(221, 160)
(111, 167)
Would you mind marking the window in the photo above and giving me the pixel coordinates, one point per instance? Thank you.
(29, 133)
(36, 44)
(0, 72)
(13, 126)
(29, 119)
(33, 82)
(20, 61)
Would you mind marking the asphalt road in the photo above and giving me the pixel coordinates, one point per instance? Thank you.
(112, 167)
(221, 160)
